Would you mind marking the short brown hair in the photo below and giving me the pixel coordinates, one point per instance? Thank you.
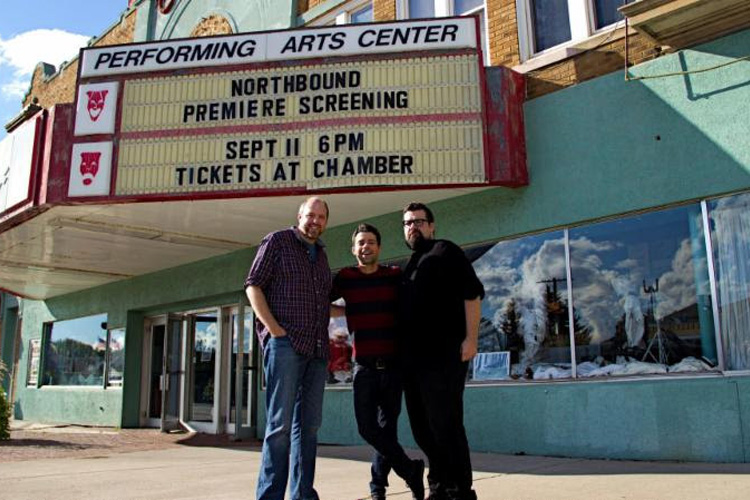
(366, 228)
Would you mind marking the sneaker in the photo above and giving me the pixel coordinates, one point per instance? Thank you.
(416, 482)
(377, 495)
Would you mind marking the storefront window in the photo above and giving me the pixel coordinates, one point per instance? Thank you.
(340, 369)
(730, 235)
(75, 351)
(523, 333)
(116, 366)
(641, 291)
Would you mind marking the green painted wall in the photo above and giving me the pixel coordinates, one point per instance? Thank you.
(600, 149)
(699, 419)
(8, 319)
(247, 16)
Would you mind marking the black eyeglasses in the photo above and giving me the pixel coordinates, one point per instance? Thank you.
(414, 222)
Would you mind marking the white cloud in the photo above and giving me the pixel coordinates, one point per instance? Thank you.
(16, 88)
(603, 292)
(21, 53)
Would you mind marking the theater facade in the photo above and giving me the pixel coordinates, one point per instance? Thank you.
(606, 213)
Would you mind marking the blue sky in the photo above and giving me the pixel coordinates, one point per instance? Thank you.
(52, 31)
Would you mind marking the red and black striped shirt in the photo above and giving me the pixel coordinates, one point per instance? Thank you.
(371, 308)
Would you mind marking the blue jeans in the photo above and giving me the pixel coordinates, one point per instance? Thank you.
(377, 404)
(294, 412)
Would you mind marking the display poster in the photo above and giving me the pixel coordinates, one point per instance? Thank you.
(35, 356)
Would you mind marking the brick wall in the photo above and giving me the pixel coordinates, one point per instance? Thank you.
(503, 46)
(384, 10)
(313, 3)
(589, 64)
(61, 87)
(503, 32)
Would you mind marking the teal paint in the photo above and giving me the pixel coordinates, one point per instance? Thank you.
(252, 15)
(650, 419)
(82, 405)
(131, 384)
(8, 323)
(742, 389)
(145, 21)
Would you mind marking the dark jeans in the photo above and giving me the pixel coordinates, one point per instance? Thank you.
(435, 403)
(377, 404)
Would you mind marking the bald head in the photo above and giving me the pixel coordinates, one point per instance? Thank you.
(313, 199)
(312, 218)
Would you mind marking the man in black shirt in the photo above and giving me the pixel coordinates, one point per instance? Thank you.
(440, 304)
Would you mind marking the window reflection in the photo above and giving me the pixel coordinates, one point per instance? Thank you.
(116, 357)
(524, 312)
(203, 366)
(362, 15)
(246, 361)
(640, 286)
(607, 13)
(75, 351)
(730, 233)
(551, 25)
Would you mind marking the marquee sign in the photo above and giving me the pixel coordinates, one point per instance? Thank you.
(404, 106)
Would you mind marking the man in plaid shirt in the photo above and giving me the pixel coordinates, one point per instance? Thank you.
(288, 286)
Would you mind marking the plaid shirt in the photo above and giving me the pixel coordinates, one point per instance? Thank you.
(296, 289)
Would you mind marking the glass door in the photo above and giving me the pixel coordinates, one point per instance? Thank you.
(171, 375)
(154, 381)
(204, 339)
(241, 413)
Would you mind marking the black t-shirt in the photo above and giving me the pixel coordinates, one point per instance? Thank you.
(437, 280)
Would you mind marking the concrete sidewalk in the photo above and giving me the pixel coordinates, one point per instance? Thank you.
(211, 470)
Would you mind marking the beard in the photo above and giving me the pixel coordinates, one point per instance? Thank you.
(311, 231)
(415, 240)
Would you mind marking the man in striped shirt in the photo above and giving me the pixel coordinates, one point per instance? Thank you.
(370, 292)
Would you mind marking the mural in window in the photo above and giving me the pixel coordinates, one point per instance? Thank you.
(523, 332)
(340, 368)
(641, 287)
(75, 351)
(730, 236)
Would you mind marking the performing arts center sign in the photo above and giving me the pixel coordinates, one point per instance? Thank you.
(370, 106)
